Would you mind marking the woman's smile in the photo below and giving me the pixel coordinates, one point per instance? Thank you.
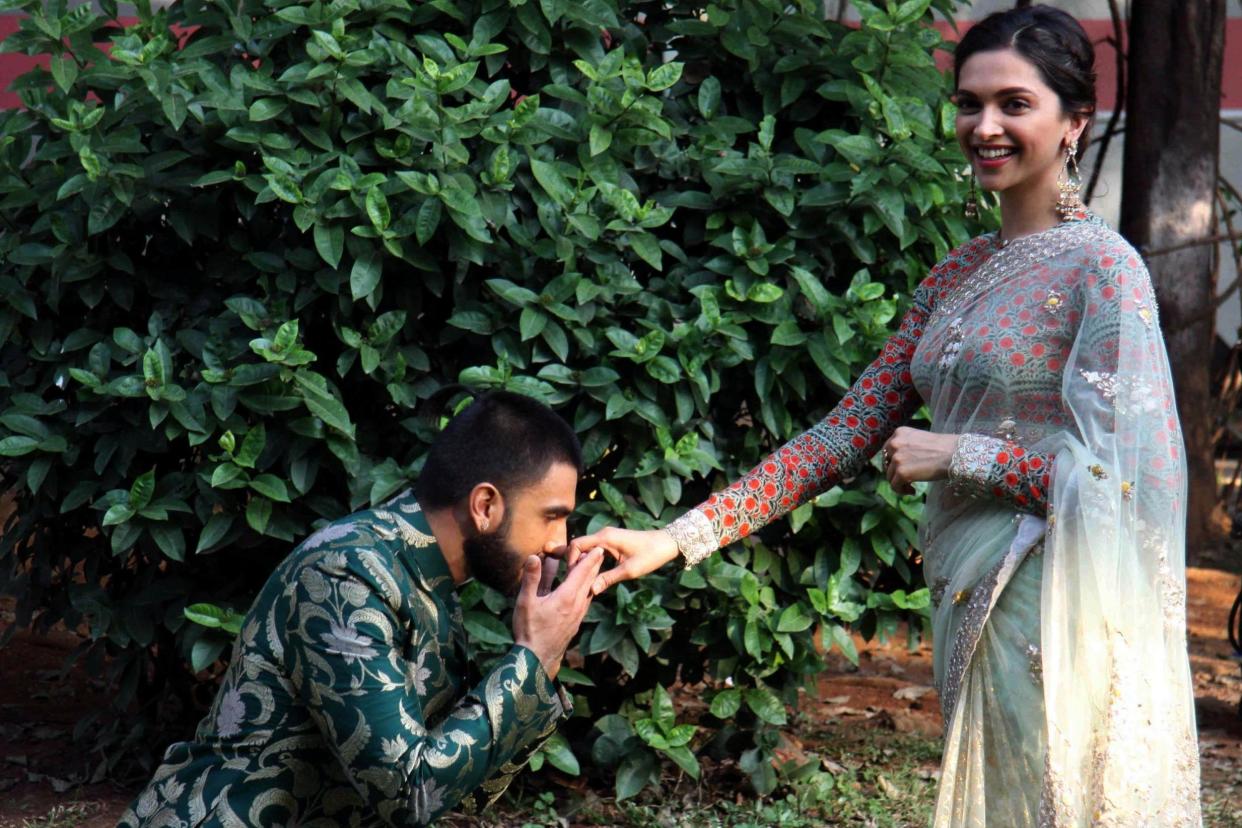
(993, 157)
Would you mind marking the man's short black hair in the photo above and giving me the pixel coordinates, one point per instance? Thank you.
(502, 438)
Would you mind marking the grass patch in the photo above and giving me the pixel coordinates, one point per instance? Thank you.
(851, 776)
(1222, 801)
(862, 776)
(69, 815)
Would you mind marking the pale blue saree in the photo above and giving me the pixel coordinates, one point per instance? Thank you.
(1060, 633)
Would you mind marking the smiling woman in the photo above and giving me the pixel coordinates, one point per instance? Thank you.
(1053, 537)
(1024, 116)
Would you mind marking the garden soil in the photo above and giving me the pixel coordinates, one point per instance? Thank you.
(41, 783)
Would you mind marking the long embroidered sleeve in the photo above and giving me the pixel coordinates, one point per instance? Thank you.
(985, 466)
(837, 447)
(351, 699)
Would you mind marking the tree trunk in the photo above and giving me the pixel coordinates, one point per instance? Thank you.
(1168, 187)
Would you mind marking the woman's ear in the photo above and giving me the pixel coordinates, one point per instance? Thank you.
(1078, 125)
(486, 507)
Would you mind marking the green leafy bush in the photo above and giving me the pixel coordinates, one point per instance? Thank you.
(245, 244)
(631, 744)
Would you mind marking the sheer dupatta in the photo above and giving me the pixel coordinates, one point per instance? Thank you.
(1117, 686)
(1061, 652)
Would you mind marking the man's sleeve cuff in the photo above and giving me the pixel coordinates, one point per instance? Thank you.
(523, 708)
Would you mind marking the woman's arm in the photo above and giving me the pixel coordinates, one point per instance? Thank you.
(976, 465)
(836, 448)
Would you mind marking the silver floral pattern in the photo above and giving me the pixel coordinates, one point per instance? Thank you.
(694, 536)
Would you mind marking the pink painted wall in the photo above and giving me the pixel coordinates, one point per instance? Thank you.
(1099, 29)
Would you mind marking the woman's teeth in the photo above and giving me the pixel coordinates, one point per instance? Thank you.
(987, 152)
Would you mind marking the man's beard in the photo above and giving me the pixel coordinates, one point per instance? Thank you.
(492, 561)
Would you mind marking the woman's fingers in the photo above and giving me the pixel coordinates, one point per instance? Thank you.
(892, 464)
(607, 578)
(912, 455)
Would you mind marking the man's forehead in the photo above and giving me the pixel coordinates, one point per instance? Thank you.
(555, 491)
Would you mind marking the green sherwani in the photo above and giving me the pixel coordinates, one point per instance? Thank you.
(347, 701)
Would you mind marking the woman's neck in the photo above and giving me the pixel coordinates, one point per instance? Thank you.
(1032, 210)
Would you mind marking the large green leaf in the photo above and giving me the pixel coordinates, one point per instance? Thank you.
(636, 772)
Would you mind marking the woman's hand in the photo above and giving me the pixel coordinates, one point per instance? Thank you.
(911, 455)
(637, 553)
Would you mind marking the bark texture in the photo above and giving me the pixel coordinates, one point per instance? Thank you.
(1169, 181)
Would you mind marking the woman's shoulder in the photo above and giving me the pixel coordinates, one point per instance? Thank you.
(1109, 276)
(961, 259)
(1106, 250)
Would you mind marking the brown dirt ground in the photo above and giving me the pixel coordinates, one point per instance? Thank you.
(41, 770)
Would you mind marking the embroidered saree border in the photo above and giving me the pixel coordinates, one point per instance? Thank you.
(978, 608)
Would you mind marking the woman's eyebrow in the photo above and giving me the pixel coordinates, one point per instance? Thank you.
(1009, 90)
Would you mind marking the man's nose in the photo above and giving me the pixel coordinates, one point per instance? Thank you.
(558, 538)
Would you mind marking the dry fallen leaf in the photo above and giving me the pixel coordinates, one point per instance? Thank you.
(890, 790)
(62, 785)
(834, 768)
(45, 733)
(912, 693)
(842, 710)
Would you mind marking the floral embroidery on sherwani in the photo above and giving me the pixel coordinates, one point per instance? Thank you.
(350, 698)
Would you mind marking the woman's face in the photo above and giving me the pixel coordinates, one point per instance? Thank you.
(1011, 124)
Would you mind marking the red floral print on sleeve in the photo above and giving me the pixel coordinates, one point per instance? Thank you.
(985, 466)
(838, 446)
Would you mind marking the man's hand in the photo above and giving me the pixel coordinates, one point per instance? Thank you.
(911, 455)
(637, 553)
(545, 624)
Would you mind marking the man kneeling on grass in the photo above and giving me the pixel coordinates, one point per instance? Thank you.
(350, 699)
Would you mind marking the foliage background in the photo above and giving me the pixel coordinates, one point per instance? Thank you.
(245, 246)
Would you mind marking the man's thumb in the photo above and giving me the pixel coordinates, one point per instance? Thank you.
(532, 571)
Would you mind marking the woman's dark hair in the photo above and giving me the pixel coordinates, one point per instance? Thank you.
(1053, 41)
(501, 438)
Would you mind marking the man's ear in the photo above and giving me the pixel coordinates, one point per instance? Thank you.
(485, 507)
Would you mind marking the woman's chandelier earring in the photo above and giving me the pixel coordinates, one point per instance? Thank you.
(971, 207)
(1069, 202)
